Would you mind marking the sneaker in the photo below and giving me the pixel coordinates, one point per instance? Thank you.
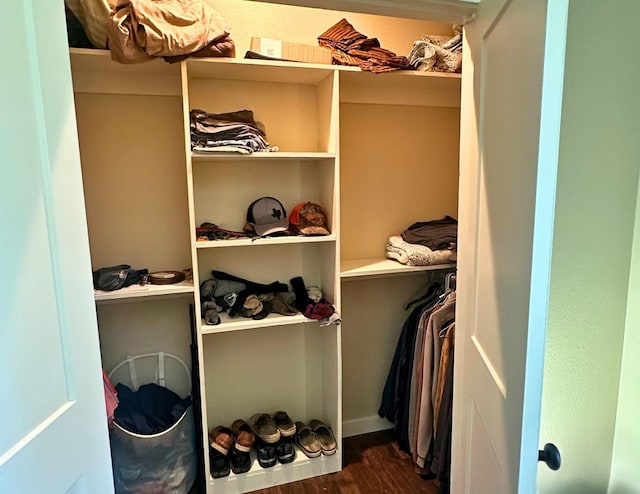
(218, 464)
(265, 428)
(284, 423)
(240, 461)
(267, 454)
(285, 450)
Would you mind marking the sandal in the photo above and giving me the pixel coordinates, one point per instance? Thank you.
(325, 437)
(307, 441)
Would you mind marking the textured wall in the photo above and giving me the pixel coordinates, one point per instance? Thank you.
(626, 446)
(597, 186)
(303, 25)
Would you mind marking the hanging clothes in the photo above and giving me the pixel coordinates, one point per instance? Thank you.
(418, 392)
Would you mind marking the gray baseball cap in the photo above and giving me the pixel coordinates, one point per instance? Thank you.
(267, 215)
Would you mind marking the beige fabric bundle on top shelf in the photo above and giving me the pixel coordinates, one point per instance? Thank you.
(139, 30)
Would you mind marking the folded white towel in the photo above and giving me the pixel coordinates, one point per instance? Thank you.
(415, 254)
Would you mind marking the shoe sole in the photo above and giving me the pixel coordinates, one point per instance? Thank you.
(271, 439)
(243, 449)
(271, 463)
(329, 452)
(288, 432)
(220, 449)
(287, 459)
(307, 453)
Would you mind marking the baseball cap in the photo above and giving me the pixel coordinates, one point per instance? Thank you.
(267, 215)
(308, 218)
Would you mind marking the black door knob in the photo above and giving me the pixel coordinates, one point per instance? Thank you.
(551, 456)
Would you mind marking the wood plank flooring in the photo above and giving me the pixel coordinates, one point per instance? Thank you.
(371, 466)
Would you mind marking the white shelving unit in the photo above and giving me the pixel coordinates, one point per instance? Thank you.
(240, 323)
(362, 268)
(344, 143)
(138, 292)
(255, 242)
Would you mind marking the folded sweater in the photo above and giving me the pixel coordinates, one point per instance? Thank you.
(415, 254)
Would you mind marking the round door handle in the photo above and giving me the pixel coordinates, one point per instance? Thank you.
(551, 456)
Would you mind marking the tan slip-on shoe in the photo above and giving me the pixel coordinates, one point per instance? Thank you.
(325, 436)
(221, 439)
(243, 435)
(307, 441)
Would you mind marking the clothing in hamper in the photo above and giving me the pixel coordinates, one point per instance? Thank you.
(415, 254)
(349, 47)
(139, 30)
(233, 132)
(438, 234)
(150, 410)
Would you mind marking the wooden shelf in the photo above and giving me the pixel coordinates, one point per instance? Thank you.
(240, 323)
(256, 478)
(412, 88)
(94, 71)
(364, 268)
(248, 242)
(136, 292)
(258, 70)
(284, 156)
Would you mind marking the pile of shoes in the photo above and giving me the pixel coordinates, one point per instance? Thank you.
(235, 296)
(273, 439)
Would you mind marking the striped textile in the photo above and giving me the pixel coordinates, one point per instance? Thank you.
(349, 47)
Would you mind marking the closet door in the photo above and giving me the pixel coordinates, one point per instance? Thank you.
(512, 89)
(53, 429)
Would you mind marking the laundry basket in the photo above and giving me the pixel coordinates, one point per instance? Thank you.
(162, 463)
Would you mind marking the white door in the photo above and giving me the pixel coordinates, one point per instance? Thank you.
(512, 90)
(53, 432)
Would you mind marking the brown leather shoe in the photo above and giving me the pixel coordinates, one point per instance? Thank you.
(221, 439)
(243, 435)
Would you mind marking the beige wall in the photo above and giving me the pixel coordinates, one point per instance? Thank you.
(626, 445)
(304, 25)
(596, 199)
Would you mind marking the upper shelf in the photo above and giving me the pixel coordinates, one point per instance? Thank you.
(252, 242)
(370, 268)
(258, 70)
(135, 293)
(228, 324)
(94, 72)
(304, 156)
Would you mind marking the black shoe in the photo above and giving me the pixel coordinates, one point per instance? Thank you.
(285, 450)
(218, 463)
(266, 453)
(240, 461)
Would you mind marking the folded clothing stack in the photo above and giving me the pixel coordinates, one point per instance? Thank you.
(437, 54)
(233, 132)
(425, 243)
(349, 47)
(415, 254)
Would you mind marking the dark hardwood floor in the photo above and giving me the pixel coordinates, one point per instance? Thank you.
(371, 466)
